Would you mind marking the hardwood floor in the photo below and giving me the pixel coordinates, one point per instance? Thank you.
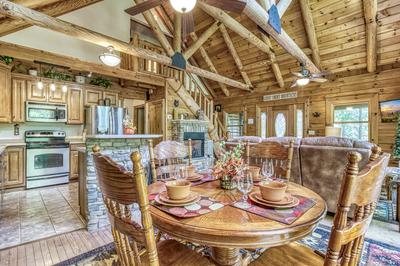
(55, 249)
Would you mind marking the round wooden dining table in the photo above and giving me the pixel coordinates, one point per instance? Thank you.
(229, 229)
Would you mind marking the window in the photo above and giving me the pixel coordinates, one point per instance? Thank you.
(299, 123)
(280, 125)
(263, 124)
(235, 124)
(353, 120)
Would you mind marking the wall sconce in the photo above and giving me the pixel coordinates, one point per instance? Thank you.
(316, 114)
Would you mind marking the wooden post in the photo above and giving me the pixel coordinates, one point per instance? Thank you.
(289, 160)
(190, 151)
(177, 41)
(201, 40)
(135, 42)
(152, 161)
(283, 6)
(370, 12)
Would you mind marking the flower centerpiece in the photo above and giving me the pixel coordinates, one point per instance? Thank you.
(228, 166)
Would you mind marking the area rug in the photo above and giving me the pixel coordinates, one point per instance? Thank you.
(374, 253)
(386, 210)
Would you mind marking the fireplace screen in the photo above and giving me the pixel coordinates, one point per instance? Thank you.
(198, 142)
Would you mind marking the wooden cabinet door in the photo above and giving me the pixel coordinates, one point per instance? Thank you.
(113, 96)
(34, 94)
(73, 165)
(92, 97)
(18, 100)
(15, 174)
(75, 106)
(5, 94)
(57, 96)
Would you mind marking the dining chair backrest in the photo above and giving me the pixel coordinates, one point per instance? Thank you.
(166, 156)
(280, 155)
(121, 190)
(360, 189)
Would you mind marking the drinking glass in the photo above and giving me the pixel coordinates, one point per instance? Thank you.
(245, 185)
(268, 169)
(182, 172)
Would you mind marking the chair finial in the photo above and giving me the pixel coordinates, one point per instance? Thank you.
(354, 157)
(96, 148)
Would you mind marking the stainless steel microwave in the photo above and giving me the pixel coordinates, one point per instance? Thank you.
(41, 112)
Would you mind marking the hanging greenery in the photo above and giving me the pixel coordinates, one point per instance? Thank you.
(396, 149)
(6, 59)
(99, 81)
(54, 74)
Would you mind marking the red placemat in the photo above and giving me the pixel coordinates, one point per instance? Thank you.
(286, 216)
(203, 206)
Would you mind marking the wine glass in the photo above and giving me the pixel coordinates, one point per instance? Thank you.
(245, 185)
(268, 169)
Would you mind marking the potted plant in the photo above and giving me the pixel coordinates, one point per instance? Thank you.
(228, 166)
(6, 59)
(99, 81)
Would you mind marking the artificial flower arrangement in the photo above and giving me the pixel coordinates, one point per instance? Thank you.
(228, 166)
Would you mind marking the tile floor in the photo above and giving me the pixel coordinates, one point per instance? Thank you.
(34, 214)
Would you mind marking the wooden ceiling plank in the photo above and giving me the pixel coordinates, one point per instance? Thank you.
(257, 14)
(177, 42)
(52, 8)
(234, 54)
(210, 63)
(31, 54)
(42, 20)
(272, 56)
(201, 40)
(310, 29)
(370, 13)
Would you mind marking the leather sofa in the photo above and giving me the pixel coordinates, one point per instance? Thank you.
(319, 162)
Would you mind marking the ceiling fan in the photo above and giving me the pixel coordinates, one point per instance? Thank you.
(185, 7)
(304, 77)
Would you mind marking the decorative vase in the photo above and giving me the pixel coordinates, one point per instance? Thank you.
(227, 183)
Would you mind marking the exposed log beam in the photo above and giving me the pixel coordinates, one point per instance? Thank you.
(256, 13)
(157, 30)
(232, 50)
(177, 42)
(210, 64)
(201, 40)
(235, 26)
(54, 9)
(30, 54)
(310, 29)
(272, 57)
(370, 13)
(282, 6)
(42, 20)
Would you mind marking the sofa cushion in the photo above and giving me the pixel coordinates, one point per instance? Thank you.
(363, 144)
(328, 141)
(253, 139)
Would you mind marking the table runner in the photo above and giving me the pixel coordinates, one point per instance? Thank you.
(286, 216)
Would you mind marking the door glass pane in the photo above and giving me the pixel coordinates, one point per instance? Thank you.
(263, 124)
(280, 125)
(299, 123)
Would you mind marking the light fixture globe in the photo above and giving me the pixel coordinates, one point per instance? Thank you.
(110, 58)
(303, 82)
(183, 6)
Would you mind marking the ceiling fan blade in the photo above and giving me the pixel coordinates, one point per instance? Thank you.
(187, 24)
(294, 84)
(319, 80)
(142, 7)
(297, 74)
(320, 74)
(236, 6)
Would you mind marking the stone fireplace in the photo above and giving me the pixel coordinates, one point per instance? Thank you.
(197, 131)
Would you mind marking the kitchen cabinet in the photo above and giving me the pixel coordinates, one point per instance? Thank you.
(75, 106)
(113, 96)
(18, 100)
(57, 96)
(5, 93)
(35, 94)
(74, 161)
(92, 96)
(15, 167)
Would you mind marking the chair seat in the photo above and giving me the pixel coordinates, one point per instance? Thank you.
(291, 254)
(173, 253)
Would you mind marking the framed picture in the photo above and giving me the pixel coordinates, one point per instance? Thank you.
(218, 108)
(390, 110)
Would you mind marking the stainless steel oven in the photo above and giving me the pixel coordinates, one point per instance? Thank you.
(40, 112)
(47, 158)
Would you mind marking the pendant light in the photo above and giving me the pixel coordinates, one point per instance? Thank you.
(183, 6)
(64, 88)
(39, 84)
(53, 86)
(110, 58)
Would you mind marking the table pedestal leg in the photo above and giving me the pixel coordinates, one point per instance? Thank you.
(226, 256)
(398, 204)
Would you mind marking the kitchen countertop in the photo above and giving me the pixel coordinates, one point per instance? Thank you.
(123, 136)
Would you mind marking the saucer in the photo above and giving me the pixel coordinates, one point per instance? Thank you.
(172, 203)
(285, 201)
(274, 205)
(195, 177)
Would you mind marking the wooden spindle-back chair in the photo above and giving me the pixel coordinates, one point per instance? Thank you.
(280, 155)
(166, 156)
(360, 189)
(121, 191)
